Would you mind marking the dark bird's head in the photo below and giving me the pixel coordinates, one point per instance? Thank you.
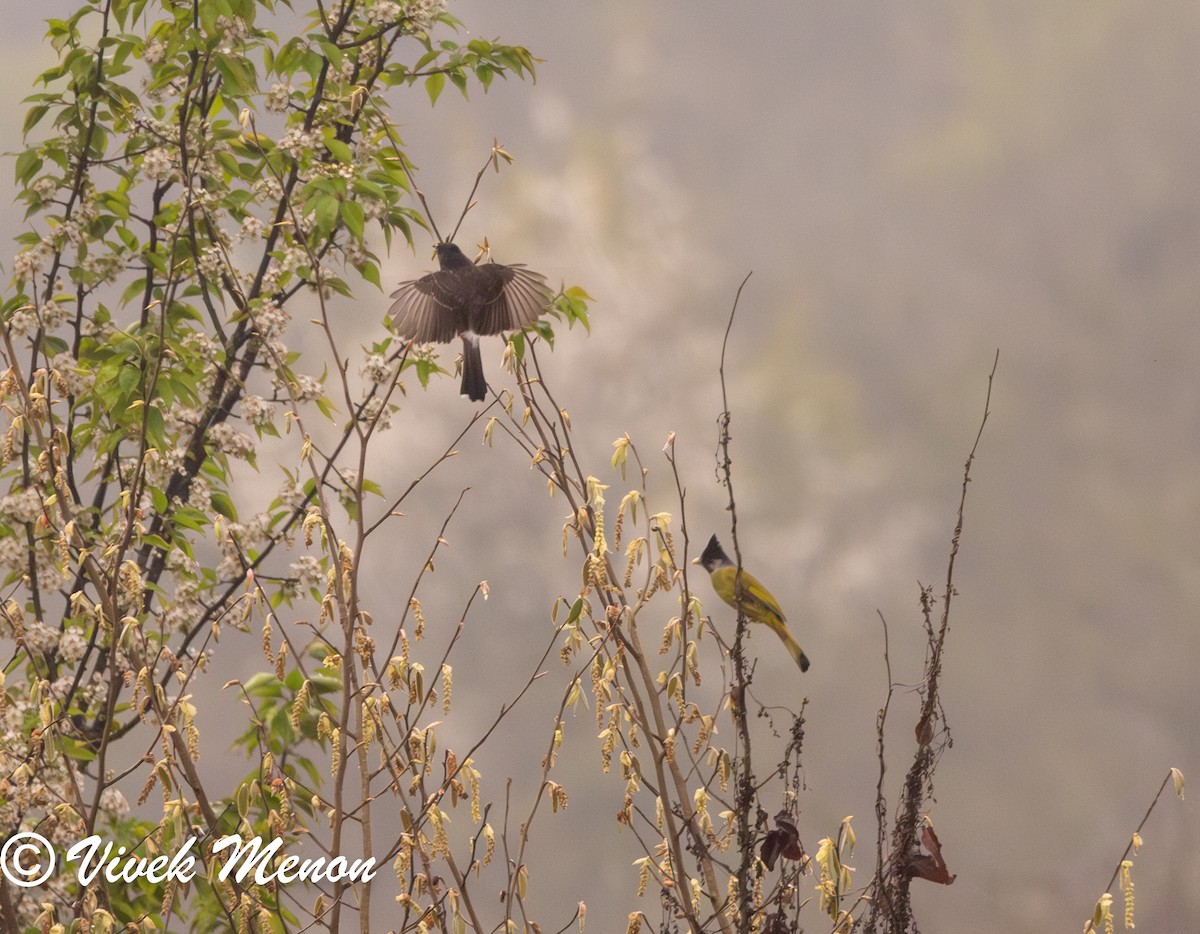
(713, 556)
(451, 257)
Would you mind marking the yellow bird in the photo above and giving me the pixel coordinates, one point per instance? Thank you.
(753, 599)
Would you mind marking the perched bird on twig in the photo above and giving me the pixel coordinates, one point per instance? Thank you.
(752, 598)
(466, 299)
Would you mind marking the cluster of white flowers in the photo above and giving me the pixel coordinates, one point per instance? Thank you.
(319, 282)
(308, 571)
(268, 187)
(383, 11)
(104, 268)
(279, 98)
(228, 440)
(297, 141)
(153, 52)
(422, 14)
(182, 565)
(274, 351)
(257, 411)
(50, 574)
(233, 31)
(67, 232)
(236, 539)
(374, 411)
(365, 149)
(45, 187)
(203, 345)
(71, 646)
(292, 257)
(270, 319)
(23, 505)
(13, 557)
(28, 263)
(182, 419)
(20, 322)
(291, 494)
(304, 387)
(41, 638)
(113, 800)
(347, 490)
(211, 263)
(271, 279)
(51, 315)
(90, 692)
(252, 229)
(74, 381)
(161, 464)
(376, 368)
(184, 606)
(87, 211)
(158, 164)
(373, 208)
(199, 492)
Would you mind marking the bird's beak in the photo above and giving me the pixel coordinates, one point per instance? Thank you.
(433, 253)
(696, 560)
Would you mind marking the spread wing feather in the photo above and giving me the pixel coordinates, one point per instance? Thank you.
(515, 297)
(486, 299)
(429, 309)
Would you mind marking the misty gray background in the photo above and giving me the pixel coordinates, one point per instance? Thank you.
(913, 187)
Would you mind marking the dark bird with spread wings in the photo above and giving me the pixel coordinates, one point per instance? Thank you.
(465, 299)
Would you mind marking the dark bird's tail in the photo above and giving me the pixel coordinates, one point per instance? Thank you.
(474, 385)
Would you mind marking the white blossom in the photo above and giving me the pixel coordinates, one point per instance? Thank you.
(40, 638)
(376, 368)
(20, 322)
(157, 164)
(270, 318)
(23, 505)
(279, 98)
(153, 52)
(71, 646)
(228, 440)
(373, 411)
(308, 571)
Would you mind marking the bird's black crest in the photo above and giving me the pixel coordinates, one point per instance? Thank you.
(714, 555)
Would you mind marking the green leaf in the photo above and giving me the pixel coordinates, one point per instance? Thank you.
(354, 219)
(339, 150)
(33, 117)
(224, 505)
(28, 164)
(332, 52)
(128, 378)
(239, 77)
(73, 749)
(517, 342)
(433, 86)
(327, 212)
(155, 429)
(370, 272)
